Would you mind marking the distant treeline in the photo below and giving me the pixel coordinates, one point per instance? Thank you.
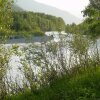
(28, 23)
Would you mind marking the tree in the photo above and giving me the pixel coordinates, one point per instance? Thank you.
(95, 4)
(5, 17)
(92, 19)
(30, 22)
(5, 22)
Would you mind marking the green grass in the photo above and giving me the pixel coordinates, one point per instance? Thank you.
(84, 85)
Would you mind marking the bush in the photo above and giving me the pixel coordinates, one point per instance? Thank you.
(83, 86)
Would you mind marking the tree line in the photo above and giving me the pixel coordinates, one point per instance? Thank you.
(31, 23)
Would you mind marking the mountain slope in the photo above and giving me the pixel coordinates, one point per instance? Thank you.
(16, 8)
(31, 5)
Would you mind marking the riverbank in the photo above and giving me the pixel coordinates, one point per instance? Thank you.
(84, 85)
(52, 70)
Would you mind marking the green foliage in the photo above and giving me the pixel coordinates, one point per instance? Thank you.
(80, 44)
(70, 28)
(95, 4)
(76, 29)
(5, 17)
(78, 81)
(82, 86)
(91, 24)
(5, 22)
(35, 23)
(92, 20)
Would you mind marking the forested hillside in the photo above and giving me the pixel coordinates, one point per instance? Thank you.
(35, 23)
(35, 6)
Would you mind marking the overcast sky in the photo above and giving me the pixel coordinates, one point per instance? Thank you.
(73, 6)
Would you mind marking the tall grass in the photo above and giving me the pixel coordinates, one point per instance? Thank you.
(83, 86)
(64, 70)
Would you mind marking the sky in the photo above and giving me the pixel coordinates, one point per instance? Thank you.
(73, 6)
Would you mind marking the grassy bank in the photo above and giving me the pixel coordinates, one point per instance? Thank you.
(84, 85)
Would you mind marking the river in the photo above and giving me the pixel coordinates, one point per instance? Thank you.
(15, 74)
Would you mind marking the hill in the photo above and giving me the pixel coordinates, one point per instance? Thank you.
(31, 5)
(16, 8)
